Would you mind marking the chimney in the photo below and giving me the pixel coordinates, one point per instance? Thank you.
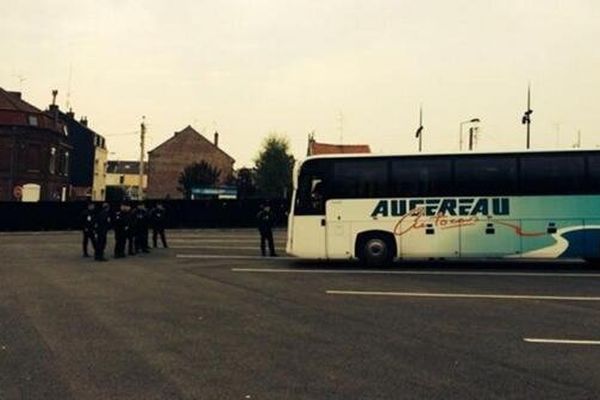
(216, 142)
(70, 114)
(84, 121)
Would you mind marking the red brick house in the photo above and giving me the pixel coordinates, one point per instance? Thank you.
(168, 160)
(34, 149)
(316, 148)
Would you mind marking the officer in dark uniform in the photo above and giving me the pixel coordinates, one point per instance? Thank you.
(121, 226)
(142, 223)
(101, 228)
(131, 230)
(265, 227)
(157, 219)
(88, 217)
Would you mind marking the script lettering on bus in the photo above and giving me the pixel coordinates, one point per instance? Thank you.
(439, 213)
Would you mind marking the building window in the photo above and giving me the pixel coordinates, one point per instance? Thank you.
(122, 179)
(52, 164)
(66, 171)
(33, 121)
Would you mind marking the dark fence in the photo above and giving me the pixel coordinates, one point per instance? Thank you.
(18, 216)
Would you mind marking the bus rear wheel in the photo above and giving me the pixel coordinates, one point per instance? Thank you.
(376, 250)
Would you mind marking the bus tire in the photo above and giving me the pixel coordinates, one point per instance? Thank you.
(376, 249)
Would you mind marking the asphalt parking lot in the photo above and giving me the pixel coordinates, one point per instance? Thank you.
(210, 319)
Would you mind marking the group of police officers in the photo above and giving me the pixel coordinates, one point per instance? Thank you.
(131, 224)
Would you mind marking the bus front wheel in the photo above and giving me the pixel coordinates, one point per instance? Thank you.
(376, 250)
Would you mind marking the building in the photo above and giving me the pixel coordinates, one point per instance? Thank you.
(316, 148)
(168, 160)
(87, 171)
(34, 151)
(123, 179)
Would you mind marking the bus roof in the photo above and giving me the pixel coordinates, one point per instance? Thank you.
(451, 154)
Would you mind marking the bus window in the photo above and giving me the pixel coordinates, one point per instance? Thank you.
(421, 177)
(486, 175)
(593, 184)
(311, 192)
(360, 178)
(552, 174)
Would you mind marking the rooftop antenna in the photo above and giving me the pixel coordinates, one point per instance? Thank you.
(21, 79)
(54, 94)
(68, 99)
(577, 144)
(341, 126)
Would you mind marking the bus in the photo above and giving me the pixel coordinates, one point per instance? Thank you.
(469, 205)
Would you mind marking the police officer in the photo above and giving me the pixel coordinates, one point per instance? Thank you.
(121, 226)
(142, 226)
(131, 230)
(265, 227)
(87, 225)
(157, 219)
(101, 228)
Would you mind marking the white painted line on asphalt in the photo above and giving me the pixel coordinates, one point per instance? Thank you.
(236, 257)
(563, 341)
(195, 240)
(462, 295)
(217, 237)
(222, 247)
(414, 272)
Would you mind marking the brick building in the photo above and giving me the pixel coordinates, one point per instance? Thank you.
(34, 149)
(168, 160)
(87, 169)
(316, 148)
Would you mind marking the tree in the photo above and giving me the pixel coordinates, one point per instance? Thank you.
(197, 175)
(245, 182)
(274, 166)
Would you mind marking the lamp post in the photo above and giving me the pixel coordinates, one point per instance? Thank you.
(460, 137)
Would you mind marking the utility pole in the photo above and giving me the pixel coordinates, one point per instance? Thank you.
(526, 120)
(419, 133)
(142, 143)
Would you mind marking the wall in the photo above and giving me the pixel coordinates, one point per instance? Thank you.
(18, 216)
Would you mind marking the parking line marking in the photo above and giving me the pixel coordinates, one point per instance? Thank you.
(415, 272)
(462, 295)
(562, 341)
(199, 246)
(236, 257)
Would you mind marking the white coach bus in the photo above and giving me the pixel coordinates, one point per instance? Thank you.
(377, 208)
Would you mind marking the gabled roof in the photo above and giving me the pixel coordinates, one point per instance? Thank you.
(12, 101)
(315, 148)
(188, 130)
(125, 167)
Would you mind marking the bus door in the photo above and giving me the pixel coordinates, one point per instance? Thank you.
(337, 231)
(309, 225)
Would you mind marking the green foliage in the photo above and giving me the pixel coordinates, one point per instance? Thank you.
(245, 183)
(274, 166)
(197, 175)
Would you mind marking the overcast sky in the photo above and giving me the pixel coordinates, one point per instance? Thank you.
(250, 67)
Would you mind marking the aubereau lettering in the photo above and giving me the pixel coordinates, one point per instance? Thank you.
(432, 207)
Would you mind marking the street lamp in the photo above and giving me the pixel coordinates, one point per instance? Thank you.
(460, 137)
